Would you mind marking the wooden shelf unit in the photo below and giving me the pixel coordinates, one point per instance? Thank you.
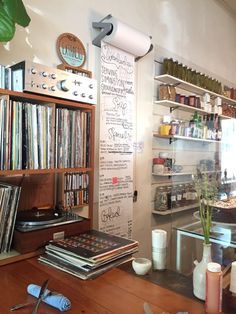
(39, 185)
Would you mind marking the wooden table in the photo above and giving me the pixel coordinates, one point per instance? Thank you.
(114, 292)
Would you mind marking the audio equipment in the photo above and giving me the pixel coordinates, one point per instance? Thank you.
(36, 78)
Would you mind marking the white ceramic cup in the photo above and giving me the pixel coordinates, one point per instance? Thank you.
(164, 155)
(141, 265)
(158, 169)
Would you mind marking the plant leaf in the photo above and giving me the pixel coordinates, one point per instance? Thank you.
(16, 10)
(7, 26)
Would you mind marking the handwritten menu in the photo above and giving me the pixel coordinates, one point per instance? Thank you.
(116, 141)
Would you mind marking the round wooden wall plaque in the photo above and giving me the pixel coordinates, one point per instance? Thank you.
(70, 50)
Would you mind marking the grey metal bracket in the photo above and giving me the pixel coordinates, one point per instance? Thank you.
(106, 29)
(172, 140)
(173, 108)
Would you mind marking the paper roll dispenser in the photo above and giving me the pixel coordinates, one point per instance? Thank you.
(122, 36)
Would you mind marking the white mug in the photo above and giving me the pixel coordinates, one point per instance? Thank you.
(163, 155)
(158, 169)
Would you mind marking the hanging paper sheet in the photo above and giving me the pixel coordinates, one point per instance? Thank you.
(116, 141)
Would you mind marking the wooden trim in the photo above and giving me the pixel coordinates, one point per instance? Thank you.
(20, 257)
(45, 99)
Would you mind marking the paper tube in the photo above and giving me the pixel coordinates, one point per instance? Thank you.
(232, 286)
(127, 38)
(159, 238)
(159, 259)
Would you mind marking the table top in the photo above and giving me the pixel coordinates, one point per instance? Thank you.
(226, 233)
(116, 291)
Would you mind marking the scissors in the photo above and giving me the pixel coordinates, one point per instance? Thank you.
(41, 296)
(37, 303)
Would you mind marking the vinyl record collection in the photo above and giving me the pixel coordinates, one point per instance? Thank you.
(72, 138)
(9, 198)
(27, 136)
(89, 254)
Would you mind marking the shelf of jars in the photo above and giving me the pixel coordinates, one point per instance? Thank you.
(176, 105)
(186, 138)
(168, 79)
(174, 210)
(174, 198)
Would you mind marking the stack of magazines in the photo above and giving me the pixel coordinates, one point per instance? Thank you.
(89, 254)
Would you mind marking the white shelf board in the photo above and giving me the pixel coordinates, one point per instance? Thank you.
(173, 174)
(176, 105)
(174, 210)
(184, 173)
(184, 138)
(168, 79)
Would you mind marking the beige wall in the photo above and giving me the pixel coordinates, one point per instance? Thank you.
(200, 33)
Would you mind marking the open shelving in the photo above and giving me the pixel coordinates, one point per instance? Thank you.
(165, 178)
(168, 79)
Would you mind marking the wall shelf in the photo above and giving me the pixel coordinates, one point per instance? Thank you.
(185, 138)
(175, 105)
(168, 79)
(173, 174)
(174, 210)
(184, 173)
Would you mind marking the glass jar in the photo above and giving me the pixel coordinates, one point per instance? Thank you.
(167, 92)
(184, 195)
(174, 127)
(168, 193)
(161, 199)
(173, 197)
(179, 195)
(187, 195)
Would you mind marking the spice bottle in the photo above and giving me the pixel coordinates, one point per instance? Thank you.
(213, 302)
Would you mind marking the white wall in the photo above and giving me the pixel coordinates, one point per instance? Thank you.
(200, 33)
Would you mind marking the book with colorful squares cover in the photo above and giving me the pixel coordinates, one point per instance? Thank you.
(94, 246)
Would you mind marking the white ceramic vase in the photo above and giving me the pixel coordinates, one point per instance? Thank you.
(199, 273)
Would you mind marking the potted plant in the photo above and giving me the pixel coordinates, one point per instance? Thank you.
(206, 189)
(11, 12)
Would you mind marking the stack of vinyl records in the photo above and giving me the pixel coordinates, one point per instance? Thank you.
(89, 254)
(9, 198)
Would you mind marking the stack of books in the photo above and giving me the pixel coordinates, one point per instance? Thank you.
(89, 254)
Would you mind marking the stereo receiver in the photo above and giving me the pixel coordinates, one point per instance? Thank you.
(36, 78)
